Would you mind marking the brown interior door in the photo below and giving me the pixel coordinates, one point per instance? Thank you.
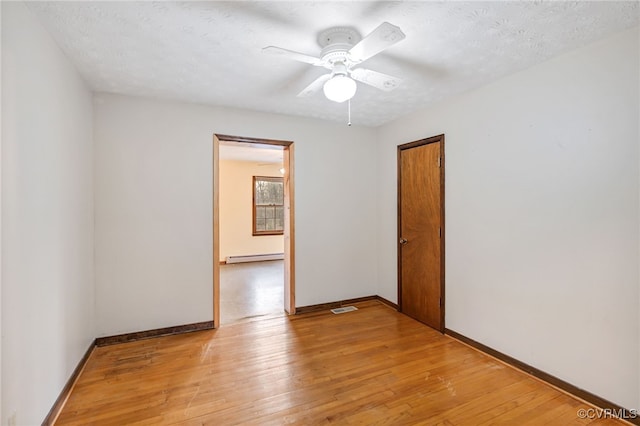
(420, 229)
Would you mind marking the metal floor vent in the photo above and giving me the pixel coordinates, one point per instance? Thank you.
(344, 309)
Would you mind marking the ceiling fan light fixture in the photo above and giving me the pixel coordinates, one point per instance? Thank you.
(340, 88)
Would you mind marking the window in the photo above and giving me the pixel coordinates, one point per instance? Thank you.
(268, 205)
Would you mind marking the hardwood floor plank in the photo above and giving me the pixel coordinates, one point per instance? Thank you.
(370, 366)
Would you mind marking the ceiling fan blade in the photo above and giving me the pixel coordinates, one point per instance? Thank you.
(386, 35)
(315, 86)
(376, 79)
(290, 54)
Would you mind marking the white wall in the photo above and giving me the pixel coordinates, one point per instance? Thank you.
(1, 334)
(154, 208)
(47, 218)
(236, 209)
(542, 214)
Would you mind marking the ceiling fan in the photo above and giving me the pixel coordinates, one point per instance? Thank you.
(343, 49)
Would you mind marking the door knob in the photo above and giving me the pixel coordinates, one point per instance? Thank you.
(403, 241)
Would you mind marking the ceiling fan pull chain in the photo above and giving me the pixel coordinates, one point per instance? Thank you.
(349, 109)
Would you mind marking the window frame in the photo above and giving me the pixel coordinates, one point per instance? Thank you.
(277, 179)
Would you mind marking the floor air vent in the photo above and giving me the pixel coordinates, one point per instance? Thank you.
(344, 309)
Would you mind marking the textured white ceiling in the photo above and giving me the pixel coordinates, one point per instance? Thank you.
(251, 152)
(210, 52)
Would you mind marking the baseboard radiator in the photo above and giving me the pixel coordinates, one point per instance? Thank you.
(255, 258)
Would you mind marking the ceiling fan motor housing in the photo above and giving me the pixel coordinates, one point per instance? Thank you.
(336, 43)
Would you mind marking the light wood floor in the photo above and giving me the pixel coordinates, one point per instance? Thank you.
(251, 290)
(371, 366)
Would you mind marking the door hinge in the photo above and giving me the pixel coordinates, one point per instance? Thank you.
(440, 232)
(441, 301)
(439, 162)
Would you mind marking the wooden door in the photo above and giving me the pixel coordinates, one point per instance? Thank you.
(421, 231)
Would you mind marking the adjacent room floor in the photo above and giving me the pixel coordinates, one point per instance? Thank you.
(370, 366)
(251, 290)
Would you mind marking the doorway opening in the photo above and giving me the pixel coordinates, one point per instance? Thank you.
(268, 222)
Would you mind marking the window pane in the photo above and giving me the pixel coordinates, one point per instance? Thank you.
(270, 212)
(260, 225)
(260, 212)
(271, 225)
(260, 191)
(269, 192)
